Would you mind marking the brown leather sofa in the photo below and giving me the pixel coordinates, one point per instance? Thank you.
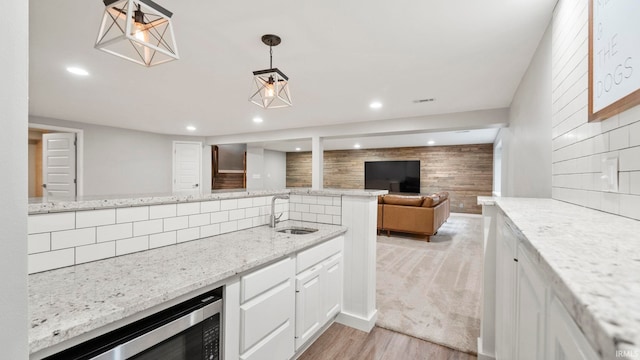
(422, 215)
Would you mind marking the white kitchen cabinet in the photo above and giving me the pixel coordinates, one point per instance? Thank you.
(309, 307)
(332, 291)
(530, 322)
(506, 280)
(564, 339)
(318, 288)
(531, 297)
(267, 312)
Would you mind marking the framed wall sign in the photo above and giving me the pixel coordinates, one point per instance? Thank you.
(614, 57)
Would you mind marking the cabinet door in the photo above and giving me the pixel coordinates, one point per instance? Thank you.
(332, 283)
(309, 314)
(565, 341)
(531, 306)
(506, 277)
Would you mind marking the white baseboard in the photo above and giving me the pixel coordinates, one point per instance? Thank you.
(358, 322)
(482, 355)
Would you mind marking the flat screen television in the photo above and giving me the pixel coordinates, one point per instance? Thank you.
(395, 176)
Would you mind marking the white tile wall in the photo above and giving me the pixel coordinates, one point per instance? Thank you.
(579, 146)
(322, 209)
(114, 232)
(95, 218)
(64, 239)
(163, 211)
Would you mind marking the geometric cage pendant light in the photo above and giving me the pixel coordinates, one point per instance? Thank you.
(270, 88)
(137, 30)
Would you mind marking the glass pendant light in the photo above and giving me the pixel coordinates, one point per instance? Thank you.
(271, 86)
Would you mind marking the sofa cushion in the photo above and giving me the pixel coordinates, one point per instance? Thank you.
(403, 200)
(380, 199)
(431, 200)
(443, 195)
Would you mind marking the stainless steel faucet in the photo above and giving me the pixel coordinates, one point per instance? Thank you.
(273, 220)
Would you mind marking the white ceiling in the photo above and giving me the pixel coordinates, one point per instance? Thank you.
(339, 56)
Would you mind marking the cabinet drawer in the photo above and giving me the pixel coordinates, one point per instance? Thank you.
(265, 314)
(264, 279)
(310, 257)
(277, 345)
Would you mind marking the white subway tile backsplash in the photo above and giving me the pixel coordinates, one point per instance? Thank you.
(188, 234)
(95, 252)
(51, 222)
(295, 198)
(325, 219)
(309, 199)
(316, 209)
(51, 260)
(333, 210)
(630, 116)
(634, 134)
(337, 201)
(95, 218)
(624, 187)
(229, 204)
(619, 138)
(245, 203)
(210, 206)
(209, 230)
(634, 182)
(630, 159)
(162, 211)
(188, 208)
(610, 202)
(295, 215)
(72, 238)
(302, 207)
(309, 217)
(260, 201)
(131, 245)
(39, 243)
(252, 212)
(218, 217)
(244, 224)
(162, 239)
(630, 206)
(236, 214)
(325, 200)
(147, 227)
(114, 232)
(132, 214)
(228, 226)
(176, 223)
(199, 220)
(337, 220)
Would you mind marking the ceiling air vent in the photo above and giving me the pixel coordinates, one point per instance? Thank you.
(424, 100)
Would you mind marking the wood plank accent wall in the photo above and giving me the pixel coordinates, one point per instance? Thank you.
(465, 171)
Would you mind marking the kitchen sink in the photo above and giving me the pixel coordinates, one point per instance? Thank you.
(297, 230)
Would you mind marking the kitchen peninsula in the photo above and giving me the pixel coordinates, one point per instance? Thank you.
(203, 242)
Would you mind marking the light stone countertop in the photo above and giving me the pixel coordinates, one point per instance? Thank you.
(47, 205)
(592, 262)
(73, 301)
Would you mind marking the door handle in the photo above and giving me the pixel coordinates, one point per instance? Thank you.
(196, 185)
(44, 186)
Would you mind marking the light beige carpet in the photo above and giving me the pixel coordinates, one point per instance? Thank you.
(432, 290)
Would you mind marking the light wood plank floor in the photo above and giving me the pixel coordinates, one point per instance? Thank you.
(345, 343)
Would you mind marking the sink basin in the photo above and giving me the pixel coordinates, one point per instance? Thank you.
(297, 230)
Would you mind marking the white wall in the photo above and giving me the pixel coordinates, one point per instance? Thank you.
(255, 167)
(275, 169)
(14, 72)
(120, 161)
(579, 146)
(526, 143)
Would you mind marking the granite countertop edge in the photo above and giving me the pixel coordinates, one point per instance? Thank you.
(589, 276)
(61, 309)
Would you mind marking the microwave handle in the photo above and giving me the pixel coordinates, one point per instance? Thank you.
(164, 332)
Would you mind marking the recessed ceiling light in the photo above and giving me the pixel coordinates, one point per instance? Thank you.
(357, 146)
(424, 100)
(257, 120)
(77, 71)
(298, 149)
(375, 105)
(430, 142)
(191, 128)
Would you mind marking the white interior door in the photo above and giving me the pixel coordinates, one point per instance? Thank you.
(187, 164)
(59, 164)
